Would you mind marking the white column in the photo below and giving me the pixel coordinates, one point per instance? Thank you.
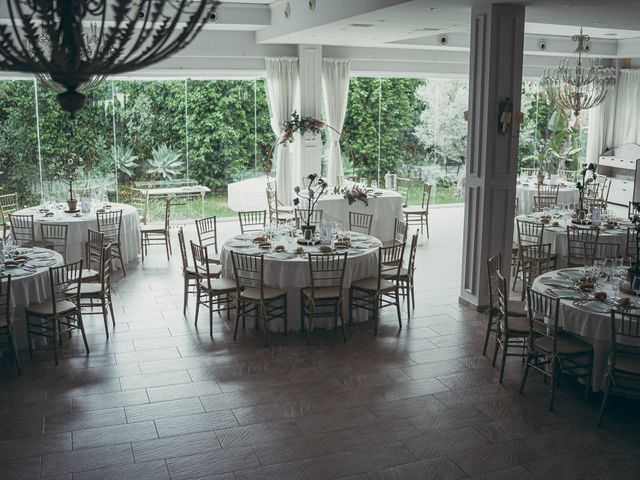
(497, 36)
(310, 106)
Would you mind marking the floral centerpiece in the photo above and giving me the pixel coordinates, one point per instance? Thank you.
(310, 193)
(70, 171)
(355, 192)
(581, 185)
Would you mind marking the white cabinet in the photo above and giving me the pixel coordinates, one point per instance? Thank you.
(623, 169)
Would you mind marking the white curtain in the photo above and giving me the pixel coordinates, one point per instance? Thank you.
(615, 121)
(282, 86)
(627, 126)
(335, 88)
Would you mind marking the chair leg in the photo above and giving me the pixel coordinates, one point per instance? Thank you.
(84, 335)
(169, 242)
(408, 298)
(142, 246)
(265, 327)
(605, 398)
(524, 374)
(166, 246)
(237, 322)
(496, 347)
(426, 221)
(113, 317)
(210, 315)
(186, 296)
(105, 316)
(505, 347)
(301, 312)
(197, 304)
(350, 307)
(398, 308)
(488, 332)
(376, 316)
(124, 272)
(310, 324)
(13, 354)
(344, 328)
(55, 340)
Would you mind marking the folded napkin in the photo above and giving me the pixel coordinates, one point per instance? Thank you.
(239, 244)
(594, 306)
(280, 255)
(564, 293)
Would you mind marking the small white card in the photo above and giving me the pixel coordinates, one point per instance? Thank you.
(85, 204)
(325, 234)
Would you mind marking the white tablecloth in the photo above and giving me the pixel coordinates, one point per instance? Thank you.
(77, 234)
(293, 275)
(590, 326)
(385, 209)
(525, 194)
(557, 236)
(28, 289)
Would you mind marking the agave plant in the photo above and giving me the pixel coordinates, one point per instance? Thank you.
(165, 162)
(123, 159)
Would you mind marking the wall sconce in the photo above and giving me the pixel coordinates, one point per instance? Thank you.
(466, 115)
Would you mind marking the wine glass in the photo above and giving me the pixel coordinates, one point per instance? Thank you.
(616, 282)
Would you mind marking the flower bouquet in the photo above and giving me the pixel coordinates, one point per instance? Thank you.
(581, 212)
(355, 192)
(310, 193)
(70, 171)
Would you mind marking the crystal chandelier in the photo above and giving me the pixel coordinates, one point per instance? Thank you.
(46, 38)
(579, 82)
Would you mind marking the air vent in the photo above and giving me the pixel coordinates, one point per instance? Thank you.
(361, 25)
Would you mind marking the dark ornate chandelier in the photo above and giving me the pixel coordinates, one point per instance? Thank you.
(48, 39)
(579, 82)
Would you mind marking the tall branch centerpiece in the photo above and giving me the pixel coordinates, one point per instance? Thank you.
(307, 197)
(69, 172)
(589, 176)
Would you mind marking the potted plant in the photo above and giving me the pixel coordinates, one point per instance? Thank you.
(70, 171)
(541, 174)
(310, 193)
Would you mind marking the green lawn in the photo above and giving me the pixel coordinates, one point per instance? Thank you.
(182, 209)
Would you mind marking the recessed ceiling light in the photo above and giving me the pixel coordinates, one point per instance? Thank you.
(599, 22)
(454, 24)
(570, 5)
(382, 20)
(432, 9)
(361, 25)
(611, 34)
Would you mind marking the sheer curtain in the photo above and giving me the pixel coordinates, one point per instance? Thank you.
(615, 121)
(335, 88)
(282, 86)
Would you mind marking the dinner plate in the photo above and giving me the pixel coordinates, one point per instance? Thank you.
(596, 306)
(557, 282)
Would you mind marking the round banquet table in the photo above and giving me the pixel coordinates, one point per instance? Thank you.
(557, 235)
(589, 322)
(385, 209)
(29, 287)
(77, 234)
(526, 191)
(291, 273)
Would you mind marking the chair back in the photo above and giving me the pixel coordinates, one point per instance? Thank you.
(403, 185)
(55, 234)
(543, 202)
(529, 233)
(201, 265)
(8, 205)
(140, 200)
(528, 172)
(105, 269)
(22, 228)
(630, 250)
(360, 222)
(625, 337)
(249, 271)
(271, 202)
(207, 229)
(327, 270)
(6, 312)
(426, 196)
(535, 261)
(599, 251)
(252, 221)
(548, 191)
(109, 223)
(411, 264)
(400, 229)
(167, 214)
(314, 219)
(577, 240)
(183, 250)
(65, 282)
(542, 311)
(503, 300)
(390, 261)
(95, 244)
(569, 175)
(494, 265)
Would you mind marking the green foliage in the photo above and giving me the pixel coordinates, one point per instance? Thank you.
(123, 160)
(165, 163)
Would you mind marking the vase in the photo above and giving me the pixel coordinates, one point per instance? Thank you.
(540, 179)
(72, 204)
(308, 231)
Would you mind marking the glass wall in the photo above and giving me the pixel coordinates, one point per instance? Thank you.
(133, 134)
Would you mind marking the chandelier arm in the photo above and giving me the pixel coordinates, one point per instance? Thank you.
(116, 35)
(20, 47)
(194, 25)
(146, 32)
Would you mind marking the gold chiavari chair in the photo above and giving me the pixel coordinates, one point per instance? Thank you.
(630, 245)
(419, 214)
(110, 224)
(543, 202)
(6, 321)
(278, 212)
(515, 309)
(253, 298)
(93, 256)
(188, 272)
(360, 222)
(8, 205)
(406, 283)
(157, 235)
(252, 221)
(140, 200)
(324, 297)
(400, 230)
(623, 370)
(577, 239)
(403, 185)
(55, 234)
(373, 294)
(535, 260)
(207, 229)
(549, 350)
(98, 294)
(599, 251)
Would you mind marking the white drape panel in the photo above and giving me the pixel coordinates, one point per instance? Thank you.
(282, 86)
(335, 89)
(616, 122)
(627, 127)
(601, 127)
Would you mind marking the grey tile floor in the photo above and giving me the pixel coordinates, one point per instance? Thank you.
(161, 399)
